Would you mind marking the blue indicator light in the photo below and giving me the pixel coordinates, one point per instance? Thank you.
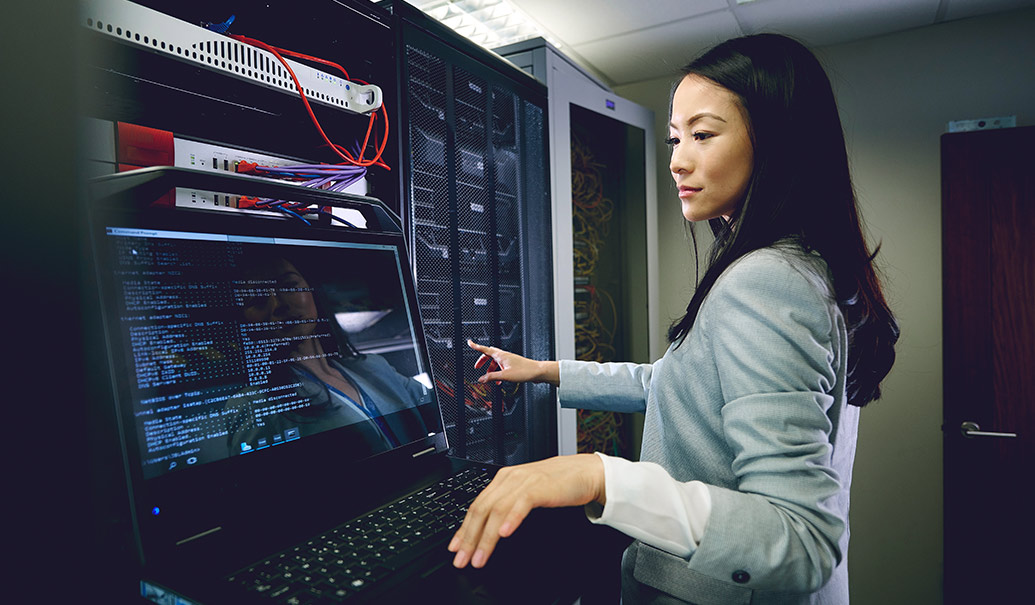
(155, 511)
(609, 103)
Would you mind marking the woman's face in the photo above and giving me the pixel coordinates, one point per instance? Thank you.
(712, 157)
(285, 296)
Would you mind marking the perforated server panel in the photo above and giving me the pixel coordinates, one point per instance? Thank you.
(477, 208)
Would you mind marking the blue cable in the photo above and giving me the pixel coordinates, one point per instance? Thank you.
(279, 205)
(221, 28)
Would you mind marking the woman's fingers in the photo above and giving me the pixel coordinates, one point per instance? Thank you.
(488, 355)
(486, 542)
(484, 350)
(495, 513)
(483, 360)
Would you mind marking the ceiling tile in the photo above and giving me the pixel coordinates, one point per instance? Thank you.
(579, 21)
(821, 22)
(659, 51)
(961, 9)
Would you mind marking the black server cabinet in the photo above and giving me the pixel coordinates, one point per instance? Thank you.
(476, 206)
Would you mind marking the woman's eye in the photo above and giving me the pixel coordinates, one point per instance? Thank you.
(702, 136)
(672, 141)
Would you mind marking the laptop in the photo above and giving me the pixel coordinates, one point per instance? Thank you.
(272, 386)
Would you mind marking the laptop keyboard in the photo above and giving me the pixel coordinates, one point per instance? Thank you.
(350, 560)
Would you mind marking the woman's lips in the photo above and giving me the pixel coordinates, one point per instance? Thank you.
(688, 192)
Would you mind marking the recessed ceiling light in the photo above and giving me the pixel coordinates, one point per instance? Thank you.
(489, 23)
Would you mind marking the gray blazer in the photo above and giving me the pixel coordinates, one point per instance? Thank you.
(753, 404)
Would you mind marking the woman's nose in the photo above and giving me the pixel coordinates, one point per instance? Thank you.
(277, 306)
(270, 305)
(681, 161)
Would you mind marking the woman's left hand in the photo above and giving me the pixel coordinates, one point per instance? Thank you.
(515, 491)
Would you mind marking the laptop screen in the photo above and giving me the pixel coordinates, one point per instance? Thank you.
(235, 337)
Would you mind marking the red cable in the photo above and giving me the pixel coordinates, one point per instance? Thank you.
(336, 148)
(298, 55)
(377, 157)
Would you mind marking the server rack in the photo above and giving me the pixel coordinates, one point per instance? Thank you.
(476, 204)
(614, 138)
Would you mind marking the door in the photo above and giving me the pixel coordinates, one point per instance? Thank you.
(988, 253)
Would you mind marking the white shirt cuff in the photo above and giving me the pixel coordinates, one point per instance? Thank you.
(646, 503)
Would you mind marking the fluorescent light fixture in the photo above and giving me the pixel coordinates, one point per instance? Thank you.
(489, 23)
(357, 321)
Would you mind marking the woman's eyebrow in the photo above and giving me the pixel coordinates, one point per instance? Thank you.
(696, 117)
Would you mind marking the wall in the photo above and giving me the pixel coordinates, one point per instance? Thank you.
(48, 486)
(896, 95)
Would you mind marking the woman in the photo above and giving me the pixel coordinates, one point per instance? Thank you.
(312, 378)
(742, 491)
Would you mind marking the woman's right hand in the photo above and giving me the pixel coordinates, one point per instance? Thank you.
(506, 366)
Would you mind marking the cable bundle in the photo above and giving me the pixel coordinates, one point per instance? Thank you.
(330, 177)
(591, 211)
(600, 432)
(320, 176)
(591, 216)
(477, 396)
(592, 338)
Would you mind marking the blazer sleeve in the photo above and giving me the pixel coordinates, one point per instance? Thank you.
(775, 333)
(611, 387)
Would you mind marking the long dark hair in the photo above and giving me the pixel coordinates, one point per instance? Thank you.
(800, 188)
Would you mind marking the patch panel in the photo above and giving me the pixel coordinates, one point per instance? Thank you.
(211, 157)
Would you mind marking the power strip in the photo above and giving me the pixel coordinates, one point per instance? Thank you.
(157, 32)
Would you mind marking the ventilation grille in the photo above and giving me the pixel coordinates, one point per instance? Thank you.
(142, 27)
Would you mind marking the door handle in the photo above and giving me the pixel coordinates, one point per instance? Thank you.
(971, 429)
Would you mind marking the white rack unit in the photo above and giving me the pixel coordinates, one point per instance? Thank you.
(157, 32)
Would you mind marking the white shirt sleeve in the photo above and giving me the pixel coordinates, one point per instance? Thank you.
(646, 503)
